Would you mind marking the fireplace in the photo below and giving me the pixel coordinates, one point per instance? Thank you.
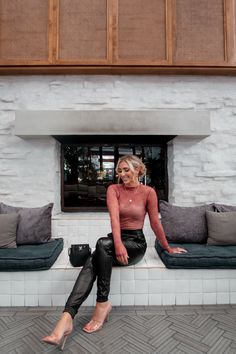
(88, 167)
(92, 141)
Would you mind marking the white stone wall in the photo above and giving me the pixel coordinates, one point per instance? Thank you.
(200, 171)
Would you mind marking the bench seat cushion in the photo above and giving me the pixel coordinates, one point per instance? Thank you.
(198, 256)
(30, 257)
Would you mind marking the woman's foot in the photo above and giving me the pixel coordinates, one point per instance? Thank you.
(60, 333)
(100, 315)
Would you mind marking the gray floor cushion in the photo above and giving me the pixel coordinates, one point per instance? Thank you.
(30, 257)
(199, 256)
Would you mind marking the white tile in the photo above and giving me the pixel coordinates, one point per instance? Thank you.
(209, 285)
(222, 298)
(141, 299)
(72, 274)
(94, 289)
(222, 285)
(31, 287)
(182, 286)
(58, 287)
(224, 273)
(45, 300)
(58, 300)
(4, 276)
(141, 274)
(141, 286)
(115, 287)
(168, 286)
(58, 274)
(182, 299)
(155, 286)
(155, 299)
(181, 273)
(18, 276)
(154, 273)
(232, 285)
(232, 298)
(127, 299)
(31, 300)
(5, 287)
(90, 301)
(196, 299)
(231, 273)
(210, 273)
(115, 274)
(17, 287)
(40, 275)
(17, 300)
(168, 299)
(68, 286)
(127, 273)
(168, 274)
(127, 286)
(196, 273)
(195, 286)
(209, 298)
(115, 299)
(5, 300)
(45, 287)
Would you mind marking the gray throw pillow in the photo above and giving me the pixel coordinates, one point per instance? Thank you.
(224, 207)
(8, 225)
(34, 225)
(221, 228)
(184, 224)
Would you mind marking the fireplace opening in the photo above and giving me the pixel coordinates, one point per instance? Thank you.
(88, 167)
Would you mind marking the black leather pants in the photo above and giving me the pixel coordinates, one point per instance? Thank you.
(99, 265)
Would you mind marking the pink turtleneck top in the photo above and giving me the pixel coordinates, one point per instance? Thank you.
(127, 208)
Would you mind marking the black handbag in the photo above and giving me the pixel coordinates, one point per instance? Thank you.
(79, 254)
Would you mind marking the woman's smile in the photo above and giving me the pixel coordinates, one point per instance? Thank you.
(128, 177)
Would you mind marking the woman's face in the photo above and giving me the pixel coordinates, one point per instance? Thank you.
(127, 176)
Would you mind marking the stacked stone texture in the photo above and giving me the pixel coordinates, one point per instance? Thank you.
(200, 170)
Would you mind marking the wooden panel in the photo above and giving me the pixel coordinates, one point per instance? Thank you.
(141, 30)
(199, 31)
(82, 30)
(24, 30)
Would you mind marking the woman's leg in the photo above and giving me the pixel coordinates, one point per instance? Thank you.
(82, 287)
(106, 258)
(80, 292)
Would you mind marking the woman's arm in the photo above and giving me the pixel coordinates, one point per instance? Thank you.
(113, 208)
(156, 226)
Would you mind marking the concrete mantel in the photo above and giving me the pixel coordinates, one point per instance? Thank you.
(180, 122)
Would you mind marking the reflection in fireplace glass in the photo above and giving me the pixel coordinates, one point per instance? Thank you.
(89, 170)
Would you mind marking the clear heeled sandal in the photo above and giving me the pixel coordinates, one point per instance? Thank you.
(94, 325)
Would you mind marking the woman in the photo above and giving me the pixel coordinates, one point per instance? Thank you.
(128, 204)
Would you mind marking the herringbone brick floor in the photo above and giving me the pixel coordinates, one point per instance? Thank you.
(131, 330)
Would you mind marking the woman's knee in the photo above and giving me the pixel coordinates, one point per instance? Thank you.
(104, 243)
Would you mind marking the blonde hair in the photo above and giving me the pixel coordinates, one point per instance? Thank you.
(133, 162)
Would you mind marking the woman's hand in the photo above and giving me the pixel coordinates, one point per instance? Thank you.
(121, 253)
(176, 250)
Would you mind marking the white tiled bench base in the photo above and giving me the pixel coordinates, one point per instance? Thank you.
(147, 283)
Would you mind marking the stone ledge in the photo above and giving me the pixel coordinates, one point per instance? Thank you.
(147, 283)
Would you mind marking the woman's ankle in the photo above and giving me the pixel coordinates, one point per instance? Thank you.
(103, 304)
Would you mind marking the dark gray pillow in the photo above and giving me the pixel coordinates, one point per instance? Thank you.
(34, 225)
(221, 228)
(8, 225)
(224, 207)
(184, 224)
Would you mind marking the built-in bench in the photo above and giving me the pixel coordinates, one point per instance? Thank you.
(147, 283)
